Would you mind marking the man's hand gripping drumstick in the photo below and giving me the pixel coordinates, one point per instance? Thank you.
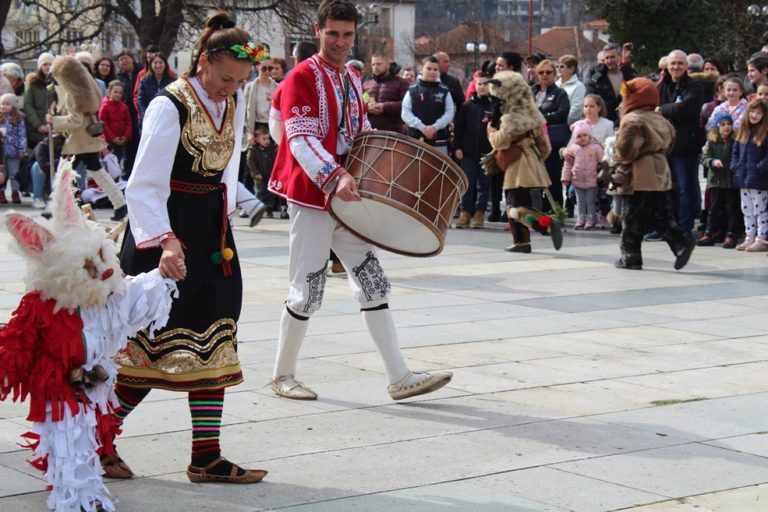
(346, 188)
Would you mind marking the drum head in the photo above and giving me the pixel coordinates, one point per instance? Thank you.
(395, 229)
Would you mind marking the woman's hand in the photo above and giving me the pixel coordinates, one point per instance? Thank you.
(172, 260)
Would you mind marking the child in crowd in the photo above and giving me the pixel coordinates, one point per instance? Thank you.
(749, 164)
(762, 92)
(582, 172)
(734, 104)
(15, 142)
(723, 218)
(261, 159)
(116, 117)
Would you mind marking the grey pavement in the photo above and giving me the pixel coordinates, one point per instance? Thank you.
(577, 387)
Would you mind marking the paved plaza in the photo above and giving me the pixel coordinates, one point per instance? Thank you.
(577, 387)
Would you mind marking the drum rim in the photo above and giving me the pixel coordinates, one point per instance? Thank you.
(456, 168)
(399, 207)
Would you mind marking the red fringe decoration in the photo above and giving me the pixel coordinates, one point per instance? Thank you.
(33, 441)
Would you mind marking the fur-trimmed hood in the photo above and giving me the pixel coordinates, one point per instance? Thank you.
(75, 81)
(709, 77)
(518, 108)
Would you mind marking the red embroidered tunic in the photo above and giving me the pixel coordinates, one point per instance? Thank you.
(310, 97)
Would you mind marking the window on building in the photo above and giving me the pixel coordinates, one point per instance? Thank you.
(26, 37)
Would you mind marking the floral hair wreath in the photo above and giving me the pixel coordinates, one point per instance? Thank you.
(255, 52)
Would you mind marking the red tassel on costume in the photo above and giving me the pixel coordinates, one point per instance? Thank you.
(227, 268)
(107, 428)
(33, 441)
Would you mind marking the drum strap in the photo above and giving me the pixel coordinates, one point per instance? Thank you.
(344, 100)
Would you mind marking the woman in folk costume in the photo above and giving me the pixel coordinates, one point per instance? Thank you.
(519, 149)
(79, 102)
(180, 202)
(57, 348)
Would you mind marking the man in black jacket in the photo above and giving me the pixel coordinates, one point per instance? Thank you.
(471, 141)
(681, 101)
(606, 78)
(451, 82)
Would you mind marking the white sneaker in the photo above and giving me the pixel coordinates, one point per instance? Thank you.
(38, 203)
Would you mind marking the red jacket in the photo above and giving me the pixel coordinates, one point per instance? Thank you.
(308, 108)
(116, 119)
(390, 91)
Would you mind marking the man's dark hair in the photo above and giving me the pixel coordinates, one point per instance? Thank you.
(514, 60)
(304, 50)
(611, 47)
(431, 59)
(125, 51)
(152, 48)
(340, 10)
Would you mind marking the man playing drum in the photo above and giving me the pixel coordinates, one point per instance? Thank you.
(322, 110)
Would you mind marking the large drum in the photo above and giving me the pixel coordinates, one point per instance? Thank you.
(409, 192)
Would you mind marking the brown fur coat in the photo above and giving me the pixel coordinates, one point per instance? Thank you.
(79, 95)
(644, 140)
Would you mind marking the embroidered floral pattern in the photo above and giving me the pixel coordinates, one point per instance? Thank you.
(372, 279)
(316, 282)
(324, 173)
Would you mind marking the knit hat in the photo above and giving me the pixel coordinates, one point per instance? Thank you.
(11, 99)
(638, 93)
(581, 127)
(723, 116)
(44, 58)
(85, 57)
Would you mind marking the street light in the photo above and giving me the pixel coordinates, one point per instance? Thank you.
(477, 49)
(758, 14)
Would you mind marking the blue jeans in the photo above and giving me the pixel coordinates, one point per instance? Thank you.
(479, 186)
(39, 181)
(685, 171)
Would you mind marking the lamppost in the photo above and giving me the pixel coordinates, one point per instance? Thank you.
(758, 14)
(477, 49)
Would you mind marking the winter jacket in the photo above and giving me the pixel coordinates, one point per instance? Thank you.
(453, 85)
(15, 137)
(37, 100)
(644, 139)
(681, 104)
(390, 91)
(582, 172)
(470, 130)
(749, 164)
(429, 106)
(576, 91)
(600, 84)
(555, 106)
(116, 119)
(737, 113)
(718, 177)
(148, 89)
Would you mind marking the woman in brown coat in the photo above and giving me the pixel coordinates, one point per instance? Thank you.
(79, 101)
(519, 150)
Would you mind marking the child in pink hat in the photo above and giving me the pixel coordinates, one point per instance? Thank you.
(582, 173)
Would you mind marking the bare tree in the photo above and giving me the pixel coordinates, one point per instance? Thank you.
(156, 22)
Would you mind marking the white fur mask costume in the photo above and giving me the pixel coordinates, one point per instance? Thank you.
(58, 347)
(68, 258)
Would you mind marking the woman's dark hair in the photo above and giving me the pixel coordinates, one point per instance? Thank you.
(111, 75)
(514, 60)
(341, 10)
(716, 63)
(217, 39)
(148, 73)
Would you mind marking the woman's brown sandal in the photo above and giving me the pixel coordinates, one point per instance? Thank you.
(201, 475)
(114, 467)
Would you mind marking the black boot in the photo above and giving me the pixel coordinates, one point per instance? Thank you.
(630, 262)
(495, 215)
(120, 213)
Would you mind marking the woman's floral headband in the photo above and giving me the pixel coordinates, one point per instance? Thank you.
(255, 52)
